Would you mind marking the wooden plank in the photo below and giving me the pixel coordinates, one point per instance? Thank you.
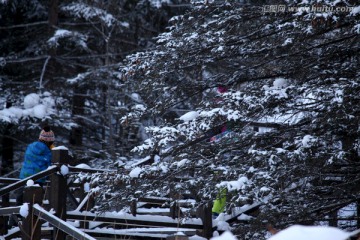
(154, 211)
(154, 200)
(87, 170)
(61, 224)
(167, 231)
(87, 202)
(21, 183)
(132, 222)
(143, 162)
(98, 233)
(71, 197)
(9, 210)
(170, 230)
(140, 233)
(250, 208)
(13, 234)
(8, 180)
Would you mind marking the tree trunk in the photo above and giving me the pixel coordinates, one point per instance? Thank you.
(7, 154)
(76, 133)
(53, 13)
(7, 163)
(53, 21)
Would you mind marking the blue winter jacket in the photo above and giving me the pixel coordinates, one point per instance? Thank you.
(37, 158)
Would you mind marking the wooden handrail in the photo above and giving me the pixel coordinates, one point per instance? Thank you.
(7, 189)
(132, 221)
(154, 200)
(88, 170)
(4, 180)
(60, 224)
(250, 208)
(9, 210)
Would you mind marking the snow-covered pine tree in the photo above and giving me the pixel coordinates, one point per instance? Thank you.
(284, 84)
(71, 49)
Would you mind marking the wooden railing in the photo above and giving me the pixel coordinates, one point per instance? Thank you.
(57, 193)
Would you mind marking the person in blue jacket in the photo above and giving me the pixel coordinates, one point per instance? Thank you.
(38, 155)
(37, 158)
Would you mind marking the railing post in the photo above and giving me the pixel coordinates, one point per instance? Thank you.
(60, 156)
(204, 212)
(174, 210)
(333, 222)
(4, 219)
(58, 191)
(31, 225)
(133, 207)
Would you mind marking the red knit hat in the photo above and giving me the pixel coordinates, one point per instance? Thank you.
(47, 135)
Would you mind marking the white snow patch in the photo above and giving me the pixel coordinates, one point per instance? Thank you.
(87, 187)
(222, 225)
(14, 111)
(136, 97)
(78, 78)
(29, 183)
(357, 28)
(196, 237)
(157, 158)
(31, 100)
(40, 111)
(140, 107)
(306, 141)
(287, 41)
(189, 116)
(64, 170)
(60, 148)
(244, 217)
(263, 130)
(225, 236)
(278, 89)
(280, 83)
(135, 172)
(298, 232)
(83, 165)
(265, 189)
(234, 185)
(355, 11)
(182, 163)
(60, 33)
(24, 210)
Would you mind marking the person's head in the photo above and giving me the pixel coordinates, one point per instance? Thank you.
(47, 136)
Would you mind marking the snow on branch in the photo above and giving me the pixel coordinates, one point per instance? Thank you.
(82, 10)
(78, 38)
